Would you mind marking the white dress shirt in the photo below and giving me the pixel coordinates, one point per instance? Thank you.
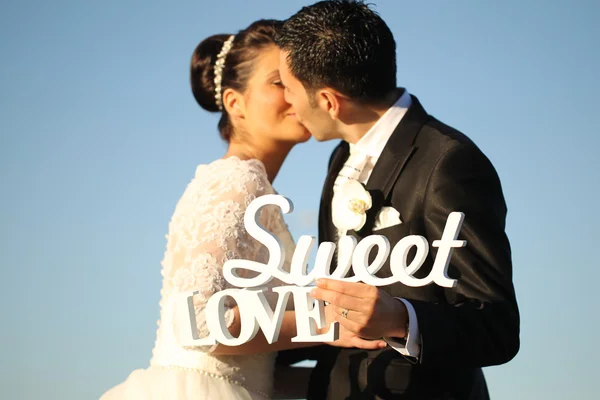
(372, 144)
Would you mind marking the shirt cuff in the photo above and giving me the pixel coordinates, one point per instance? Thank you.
(411, 346)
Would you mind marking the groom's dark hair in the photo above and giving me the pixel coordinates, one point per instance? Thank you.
(341, 44)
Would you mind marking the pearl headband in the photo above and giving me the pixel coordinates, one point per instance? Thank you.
(219, 66)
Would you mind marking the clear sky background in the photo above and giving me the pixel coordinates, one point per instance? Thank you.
(99, 135)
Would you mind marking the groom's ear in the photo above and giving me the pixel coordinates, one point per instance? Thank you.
(330, 102)
(234, 103)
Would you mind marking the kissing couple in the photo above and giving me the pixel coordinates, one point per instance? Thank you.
(329, 72)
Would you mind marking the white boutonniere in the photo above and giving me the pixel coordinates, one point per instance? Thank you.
(350, 205)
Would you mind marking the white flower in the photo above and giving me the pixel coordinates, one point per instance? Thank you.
(350, 205)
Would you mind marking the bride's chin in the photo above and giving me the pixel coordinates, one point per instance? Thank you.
(306, 137)
(302, 137)
(302, 134)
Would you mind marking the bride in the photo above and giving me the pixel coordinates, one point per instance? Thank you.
(236, 75)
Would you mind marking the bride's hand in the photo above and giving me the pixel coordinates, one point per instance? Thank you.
(346, 338)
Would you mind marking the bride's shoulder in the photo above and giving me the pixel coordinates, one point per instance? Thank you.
(234, 174)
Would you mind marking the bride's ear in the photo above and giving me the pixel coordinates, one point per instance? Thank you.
(329, 101)
(233, 102)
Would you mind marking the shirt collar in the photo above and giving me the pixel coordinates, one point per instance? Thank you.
(373, 142)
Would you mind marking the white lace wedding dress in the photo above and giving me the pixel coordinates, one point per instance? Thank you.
(206, 230)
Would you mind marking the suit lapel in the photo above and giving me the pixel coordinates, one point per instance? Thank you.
(394, 157)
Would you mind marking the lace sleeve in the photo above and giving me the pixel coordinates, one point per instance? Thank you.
(209, 231)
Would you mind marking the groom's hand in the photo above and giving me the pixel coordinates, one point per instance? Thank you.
(371, 312)
(346, 338)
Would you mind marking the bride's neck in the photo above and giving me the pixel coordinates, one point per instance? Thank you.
(272, 155)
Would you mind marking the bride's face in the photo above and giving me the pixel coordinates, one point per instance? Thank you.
(267, 113)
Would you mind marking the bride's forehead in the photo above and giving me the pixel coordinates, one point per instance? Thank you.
(266, 65)
(268, 55)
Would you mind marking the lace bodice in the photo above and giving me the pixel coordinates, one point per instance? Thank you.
(206, 230)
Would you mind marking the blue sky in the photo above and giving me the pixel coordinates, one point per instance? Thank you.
(99, 135)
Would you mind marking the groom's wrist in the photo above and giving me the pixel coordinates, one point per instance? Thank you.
(400, 318)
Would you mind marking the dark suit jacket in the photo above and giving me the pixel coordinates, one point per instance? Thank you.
(426, 171)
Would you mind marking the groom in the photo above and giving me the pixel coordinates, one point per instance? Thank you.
(338, 67)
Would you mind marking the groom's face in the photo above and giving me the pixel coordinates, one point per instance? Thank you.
(308, 113)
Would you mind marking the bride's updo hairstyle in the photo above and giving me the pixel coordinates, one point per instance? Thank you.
(236, 61)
